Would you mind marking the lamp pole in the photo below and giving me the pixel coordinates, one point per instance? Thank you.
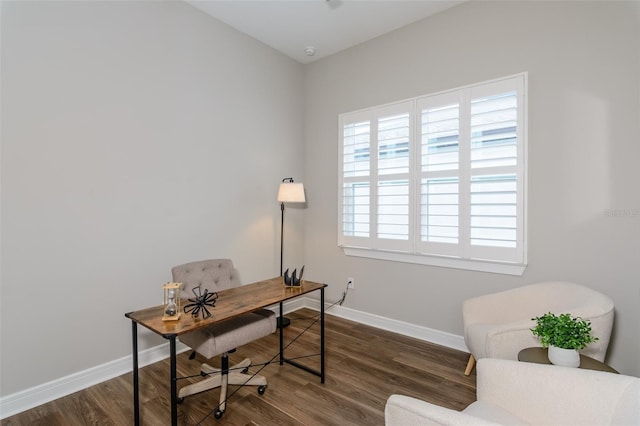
(289, 192)
(281, 235)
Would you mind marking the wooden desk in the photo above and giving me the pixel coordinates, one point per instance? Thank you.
(231, 303)
(539, 356)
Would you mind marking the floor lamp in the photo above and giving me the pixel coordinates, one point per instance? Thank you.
(288, 192)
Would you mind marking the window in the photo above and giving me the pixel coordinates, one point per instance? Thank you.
(438, 179)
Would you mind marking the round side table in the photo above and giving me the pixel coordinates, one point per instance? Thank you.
(539, 356)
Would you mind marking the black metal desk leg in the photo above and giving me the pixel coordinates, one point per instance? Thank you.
(322, 335)
(174, 382)
(136, 396)
(281, 331)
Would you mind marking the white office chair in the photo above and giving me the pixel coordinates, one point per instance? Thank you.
(222, 338)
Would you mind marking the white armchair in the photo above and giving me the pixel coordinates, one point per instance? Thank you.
(512, 392)
(499, 325)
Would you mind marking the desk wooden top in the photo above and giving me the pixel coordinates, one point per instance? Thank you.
(231, 303)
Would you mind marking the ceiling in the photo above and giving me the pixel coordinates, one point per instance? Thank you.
(326, 26)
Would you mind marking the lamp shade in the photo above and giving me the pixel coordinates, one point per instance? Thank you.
(291, 192)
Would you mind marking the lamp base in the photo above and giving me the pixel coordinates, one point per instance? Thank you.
(285, 322)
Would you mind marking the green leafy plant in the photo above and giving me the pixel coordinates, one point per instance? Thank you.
(563, 331)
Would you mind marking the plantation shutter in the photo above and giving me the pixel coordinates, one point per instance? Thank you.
(438, 176)
(355, 200)
(469, 147)
(392, 165)
(440, 119)
(496, 214)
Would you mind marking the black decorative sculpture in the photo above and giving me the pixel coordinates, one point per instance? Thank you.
(200, 303)
(292, 281)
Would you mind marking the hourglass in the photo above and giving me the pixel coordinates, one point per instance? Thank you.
(171, 301)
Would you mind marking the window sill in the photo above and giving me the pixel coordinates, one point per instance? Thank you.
(445, 262)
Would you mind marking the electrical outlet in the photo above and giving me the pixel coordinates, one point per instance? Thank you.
(351, 282)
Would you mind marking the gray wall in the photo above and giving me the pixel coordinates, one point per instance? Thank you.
(583, 60)
(135, 136)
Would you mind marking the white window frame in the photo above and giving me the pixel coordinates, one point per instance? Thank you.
(462, 256)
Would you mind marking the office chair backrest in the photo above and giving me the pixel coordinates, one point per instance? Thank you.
(213, 275)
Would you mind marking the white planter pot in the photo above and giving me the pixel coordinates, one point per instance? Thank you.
(564, 357)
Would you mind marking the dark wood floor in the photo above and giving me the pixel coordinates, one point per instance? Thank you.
(364, 366)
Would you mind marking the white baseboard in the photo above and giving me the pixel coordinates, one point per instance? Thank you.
(406, 329)
(46, 392)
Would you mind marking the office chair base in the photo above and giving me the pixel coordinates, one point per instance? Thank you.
(206, 369)
(217, 379)
(286, 322)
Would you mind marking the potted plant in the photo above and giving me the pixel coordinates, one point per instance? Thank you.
(564, 335)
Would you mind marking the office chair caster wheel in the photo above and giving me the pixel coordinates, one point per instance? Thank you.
(218, 414)
(203, 374)
(245, 370)
(180, 400)
(261, 389)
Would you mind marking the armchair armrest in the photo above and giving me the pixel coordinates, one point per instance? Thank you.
(506, 340)
(403, 410)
